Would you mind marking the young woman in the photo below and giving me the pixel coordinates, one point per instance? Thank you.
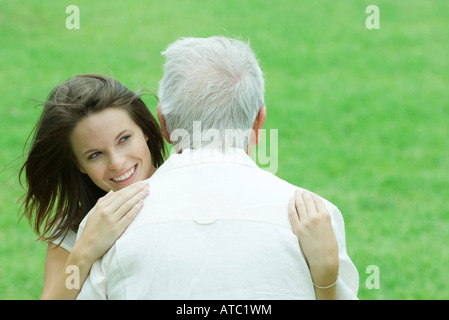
(94, 138)
(92, 145)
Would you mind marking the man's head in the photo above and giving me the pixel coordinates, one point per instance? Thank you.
(213, 83)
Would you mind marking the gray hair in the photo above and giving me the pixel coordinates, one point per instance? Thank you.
(215, 82)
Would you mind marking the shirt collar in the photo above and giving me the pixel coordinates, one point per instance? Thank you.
(207, 155)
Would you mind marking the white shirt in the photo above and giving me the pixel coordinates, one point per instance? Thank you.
(215, 226)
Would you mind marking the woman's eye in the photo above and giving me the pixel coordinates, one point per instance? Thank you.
(94, 155)
(124, 139)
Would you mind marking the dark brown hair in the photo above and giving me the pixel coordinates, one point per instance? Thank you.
(58, 194)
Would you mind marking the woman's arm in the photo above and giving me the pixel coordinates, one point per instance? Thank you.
(54, 264)
(108, 220)
(311, 223)
(57, 272)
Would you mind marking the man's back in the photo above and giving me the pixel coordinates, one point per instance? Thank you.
(213, 227)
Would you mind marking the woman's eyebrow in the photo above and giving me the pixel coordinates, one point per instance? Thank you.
(122, 132)
(89, 151)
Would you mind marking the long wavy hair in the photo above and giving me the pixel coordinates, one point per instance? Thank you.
(58, 195)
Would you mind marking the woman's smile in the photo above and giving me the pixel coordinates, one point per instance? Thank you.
(126, 177)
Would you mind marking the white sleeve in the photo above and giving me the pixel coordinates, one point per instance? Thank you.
(66, 242)
(348, 277)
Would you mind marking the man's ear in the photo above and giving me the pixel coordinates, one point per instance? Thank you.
(161, 118)
(259, 122)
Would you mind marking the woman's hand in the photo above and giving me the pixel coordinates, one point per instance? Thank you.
(311, 223)
(109, 218)
(106, 222)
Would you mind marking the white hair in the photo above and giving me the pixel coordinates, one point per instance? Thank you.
(216, 81)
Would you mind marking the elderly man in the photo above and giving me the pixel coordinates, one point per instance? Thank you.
(215, 226)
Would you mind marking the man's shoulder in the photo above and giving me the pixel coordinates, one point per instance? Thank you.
(286, 185)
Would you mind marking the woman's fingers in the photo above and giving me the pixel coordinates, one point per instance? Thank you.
(309, 203)
(293, 215)
(113, 201)
(128, 206)
(129, 217)
(303, 207)
(107, 195)
(300, 204)
(321, 208)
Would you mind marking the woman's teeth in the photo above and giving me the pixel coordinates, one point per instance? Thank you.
(125, 176)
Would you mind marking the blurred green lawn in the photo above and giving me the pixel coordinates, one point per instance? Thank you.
(362, 114)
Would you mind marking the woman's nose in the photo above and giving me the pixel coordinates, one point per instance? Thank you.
(116, 162)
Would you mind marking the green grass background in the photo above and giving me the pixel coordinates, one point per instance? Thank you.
(362, 115)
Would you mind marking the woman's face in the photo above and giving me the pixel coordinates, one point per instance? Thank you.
(111, 149)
